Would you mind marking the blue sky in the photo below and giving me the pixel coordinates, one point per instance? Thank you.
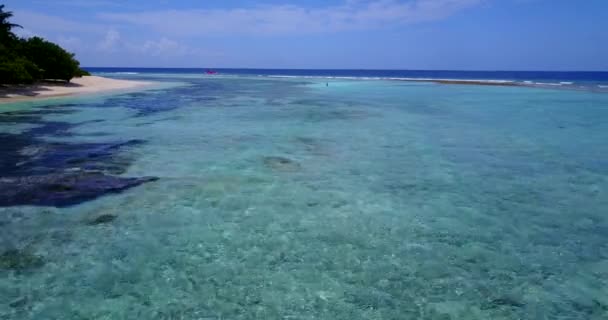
(359, 34)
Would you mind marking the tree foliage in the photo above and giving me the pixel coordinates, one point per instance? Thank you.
(54, 62)
(29, 60)
(17, 71)
(6, 34)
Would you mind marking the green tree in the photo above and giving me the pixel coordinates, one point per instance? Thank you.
(13, 69)
(29, 60)
(17, 71)
(7, 36)
(54, 62)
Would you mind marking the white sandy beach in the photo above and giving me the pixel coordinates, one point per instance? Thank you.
(78, 86)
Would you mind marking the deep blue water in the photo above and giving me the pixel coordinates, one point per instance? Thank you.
(583, 77)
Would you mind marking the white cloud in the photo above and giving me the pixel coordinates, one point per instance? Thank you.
(291, 19)
(164, 47)
(43, 23)
(260, 20)
(26, 33)
(110, 41)
(151, 37)
(80, 3)
(70, 43)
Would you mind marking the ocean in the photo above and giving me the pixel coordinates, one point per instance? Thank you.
(585, 80)
(308, 194)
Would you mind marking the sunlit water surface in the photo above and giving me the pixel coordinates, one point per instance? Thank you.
(297, 199)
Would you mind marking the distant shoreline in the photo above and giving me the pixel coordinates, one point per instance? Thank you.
(78, 86)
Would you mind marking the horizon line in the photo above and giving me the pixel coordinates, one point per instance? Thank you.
(349, 69)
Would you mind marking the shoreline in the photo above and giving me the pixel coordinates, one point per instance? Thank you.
(78, 86)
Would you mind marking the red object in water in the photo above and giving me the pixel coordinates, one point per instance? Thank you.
(211, 72)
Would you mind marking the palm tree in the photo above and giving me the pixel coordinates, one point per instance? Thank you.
(5, 26)
(4, 16)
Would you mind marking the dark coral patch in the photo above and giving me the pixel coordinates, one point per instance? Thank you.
(281, 164)
(62, 189)
(20, 260)
(102, 219)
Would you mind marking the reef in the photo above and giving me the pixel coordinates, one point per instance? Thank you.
(38, 172)
(62, 189)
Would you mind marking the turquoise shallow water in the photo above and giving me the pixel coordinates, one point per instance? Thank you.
(290, 199)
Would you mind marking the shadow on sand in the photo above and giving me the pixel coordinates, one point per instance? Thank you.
(33, 90)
